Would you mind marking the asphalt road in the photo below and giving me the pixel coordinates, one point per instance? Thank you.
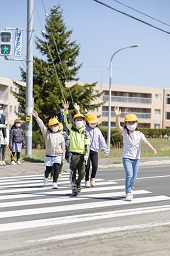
(36, 220)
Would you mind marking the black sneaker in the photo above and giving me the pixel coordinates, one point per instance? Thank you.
(79, 187)
(74, 191)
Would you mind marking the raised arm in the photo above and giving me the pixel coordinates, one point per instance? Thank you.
(77, 108)
(118, 113)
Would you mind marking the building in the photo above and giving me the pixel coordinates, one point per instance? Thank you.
(11, 105)
(151, 105)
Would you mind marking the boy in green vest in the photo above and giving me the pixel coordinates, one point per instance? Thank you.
(79, 148)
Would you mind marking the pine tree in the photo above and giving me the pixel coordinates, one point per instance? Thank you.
(51, 73)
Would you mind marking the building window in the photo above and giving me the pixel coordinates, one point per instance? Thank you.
(10, 109)
(157, 97)
(95, 92)
(168, 99)
(167, 115)
(157, 126)
(15, 108)
(157, 111)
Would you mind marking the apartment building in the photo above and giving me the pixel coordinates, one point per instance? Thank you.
(11, 105)
(151, 105)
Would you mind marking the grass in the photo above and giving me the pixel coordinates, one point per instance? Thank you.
(162, 146)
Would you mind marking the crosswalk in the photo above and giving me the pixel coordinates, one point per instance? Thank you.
(25, 203)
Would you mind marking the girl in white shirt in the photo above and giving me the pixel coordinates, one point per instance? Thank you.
(132, 139)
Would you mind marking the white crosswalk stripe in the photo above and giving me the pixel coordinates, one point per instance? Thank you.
(26, 196)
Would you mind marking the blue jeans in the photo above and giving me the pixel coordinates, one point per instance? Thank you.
(131, 167)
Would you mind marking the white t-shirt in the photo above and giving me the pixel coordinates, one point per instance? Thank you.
(132, 143)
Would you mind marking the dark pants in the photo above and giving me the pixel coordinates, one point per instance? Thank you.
(93, 158)
(13, 154)
(56, 169)
(77, 164)
(3, 152)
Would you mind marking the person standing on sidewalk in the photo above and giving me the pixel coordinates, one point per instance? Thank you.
(132, 140)
(3, 135)
(79, 148)
(55, 147)
(16, 139)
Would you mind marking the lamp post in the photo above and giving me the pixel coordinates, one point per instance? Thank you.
(110, 82)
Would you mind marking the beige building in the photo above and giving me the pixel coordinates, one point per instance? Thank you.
(11, 105)
(151, 105)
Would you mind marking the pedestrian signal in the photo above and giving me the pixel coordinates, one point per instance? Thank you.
(5, 43)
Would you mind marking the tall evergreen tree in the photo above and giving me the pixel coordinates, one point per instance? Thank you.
(57, 67)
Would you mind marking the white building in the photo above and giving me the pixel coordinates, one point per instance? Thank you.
(11, 105)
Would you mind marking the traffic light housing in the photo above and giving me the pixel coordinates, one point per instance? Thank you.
(5, 43)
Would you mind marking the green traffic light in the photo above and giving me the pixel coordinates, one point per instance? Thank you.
(5, 49)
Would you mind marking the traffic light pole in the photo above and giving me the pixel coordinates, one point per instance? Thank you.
(29, 76)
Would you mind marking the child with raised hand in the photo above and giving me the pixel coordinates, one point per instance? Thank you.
(79, 148)
(55, 148)
(132, 140)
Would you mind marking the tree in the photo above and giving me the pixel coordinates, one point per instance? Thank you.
(57, 67)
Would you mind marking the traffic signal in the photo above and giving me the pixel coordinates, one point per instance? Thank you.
(5, 43)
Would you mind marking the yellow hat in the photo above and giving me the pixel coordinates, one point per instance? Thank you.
(78, 115)
(131, 118)
(60, 126)
(17, 121)
(92, 118)
(53, 121)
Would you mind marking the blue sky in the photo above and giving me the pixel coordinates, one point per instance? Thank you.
(100, 32)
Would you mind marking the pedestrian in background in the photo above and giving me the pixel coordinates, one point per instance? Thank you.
(60, 117)
(132, 140)
(54, 148)
(16, 139)
(3, 135)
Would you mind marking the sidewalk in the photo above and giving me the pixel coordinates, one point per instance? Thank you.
(28, 168)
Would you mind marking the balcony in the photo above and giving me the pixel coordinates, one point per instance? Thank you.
(139, 115)
(124, 99)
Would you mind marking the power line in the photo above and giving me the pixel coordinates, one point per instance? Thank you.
(142, 13)
(126, 14)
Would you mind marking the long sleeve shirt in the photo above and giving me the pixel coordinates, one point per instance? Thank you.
(55, 143)
(97, 140)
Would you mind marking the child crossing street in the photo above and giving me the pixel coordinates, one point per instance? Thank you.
(55, 148)
(132, 140)
(79, 148)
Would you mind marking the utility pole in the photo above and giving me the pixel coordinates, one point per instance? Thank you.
(29, 77)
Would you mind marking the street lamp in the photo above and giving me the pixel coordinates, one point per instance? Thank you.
(110, 82)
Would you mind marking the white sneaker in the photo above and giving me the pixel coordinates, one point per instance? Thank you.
(92, 182)
(87, 184)
(3, 163)
(13, 163)
(54, 185)
(129, 197)
(18, 162)
(45, 181)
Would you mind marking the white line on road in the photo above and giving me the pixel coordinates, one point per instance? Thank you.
(101, 231)
(85, 206)
(80, 218)
(56, 199)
